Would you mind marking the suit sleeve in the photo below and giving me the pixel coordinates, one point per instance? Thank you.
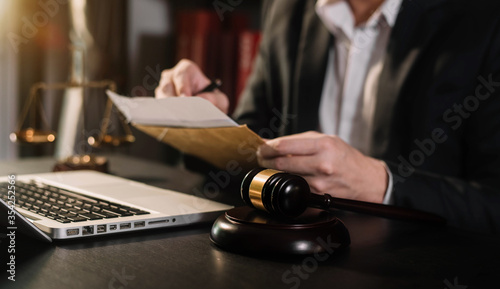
(253, 108)
(470, 200)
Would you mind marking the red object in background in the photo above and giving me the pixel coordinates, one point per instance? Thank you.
(198, 32)
(223, 50)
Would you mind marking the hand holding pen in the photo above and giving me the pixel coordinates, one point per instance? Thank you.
(187, 79)
(215, 84)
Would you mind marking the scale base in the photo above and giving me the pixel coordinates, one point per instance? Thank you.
(249, 231)
(82, 162)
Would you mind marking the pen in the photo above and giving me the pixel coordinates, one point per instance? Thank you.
(216, 83)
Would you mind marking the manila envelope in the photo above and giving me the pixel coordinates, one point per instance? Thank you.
(220, 146)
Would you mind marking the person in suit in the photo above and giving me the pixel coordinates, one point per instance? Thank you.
(393, 101)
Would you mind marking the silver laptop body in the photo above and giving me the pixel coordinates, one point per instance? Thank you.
(149, 207)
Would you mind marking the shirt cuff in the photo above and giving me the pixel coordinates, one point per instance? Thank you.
(388, 199)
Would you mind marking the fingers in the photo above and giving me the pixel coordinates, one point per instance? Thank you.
(302, 165)
(306, 154)
(300, 144)
(217, 98)
(285, 147)
(188, 78)
(166, 86)
(328, 164)
(182, 84)
(188, 82)
(185, 78)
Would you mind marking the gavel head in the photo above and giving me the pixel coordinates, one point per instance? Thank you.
(279, 193)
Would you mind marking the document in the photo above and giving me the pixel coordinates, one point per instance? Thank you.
(193, 112)
(194, 126)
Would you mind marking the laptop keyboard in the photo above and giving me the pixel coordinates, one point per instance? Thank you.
(63, 205)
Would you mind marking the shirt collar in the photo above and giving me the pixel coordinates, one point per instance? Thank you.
(337, 15)
(390, 10)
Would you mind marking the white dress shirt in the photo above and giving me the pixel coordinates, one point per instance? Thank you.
(354, 66)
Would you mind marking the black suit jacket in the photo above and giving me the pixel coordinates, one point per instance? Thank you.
(437, 117)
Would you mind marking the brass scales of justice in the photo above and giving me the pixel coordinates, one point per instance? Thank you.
(34, 135)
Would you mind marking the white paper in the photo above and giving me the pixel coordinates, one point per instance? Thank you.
(192, 112)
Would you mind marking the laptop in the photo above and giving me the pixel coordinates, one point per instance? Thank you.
(80, 204)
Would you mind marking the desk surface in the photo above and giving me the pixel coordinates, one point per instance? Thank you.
(383, 253)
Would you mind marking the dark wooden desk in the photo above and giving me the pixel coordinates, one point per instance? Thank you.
(383, 254)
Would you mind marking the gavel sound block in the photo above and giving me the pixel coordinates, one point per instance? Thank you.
(250, 231)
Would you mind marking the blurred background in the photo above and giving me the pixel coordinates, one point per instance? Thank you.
(126, 41)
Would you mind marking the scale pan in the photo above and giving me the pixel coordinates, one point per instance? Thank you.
(33, 136)
(111, 140)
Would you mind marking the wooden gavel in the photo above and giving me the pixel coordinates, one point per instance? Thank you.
(287, 195)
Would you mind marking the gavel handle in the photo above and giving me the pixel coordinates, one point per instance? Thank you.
(327, 202)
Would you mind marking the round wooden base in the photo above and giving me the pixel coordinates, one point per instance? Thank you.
(246, 230)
